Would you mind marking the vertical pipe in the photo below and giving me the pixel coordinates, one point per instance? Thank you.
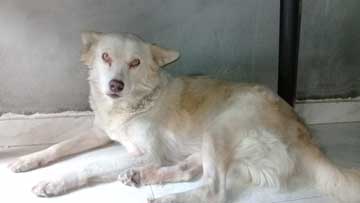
(290, 19)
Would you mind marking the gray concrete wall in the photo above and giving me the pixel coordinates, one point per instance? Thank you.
(329, 63)
(39, 43)
(234, 40)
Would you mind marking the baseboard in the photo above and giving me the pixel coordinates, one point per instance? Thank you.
(329, 111)
(41, 129)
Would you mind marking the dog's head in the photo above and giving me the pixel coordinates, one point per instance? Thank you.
(123, 65)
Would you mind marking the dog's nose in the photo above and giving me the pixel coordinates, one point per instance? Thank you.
(116, 85)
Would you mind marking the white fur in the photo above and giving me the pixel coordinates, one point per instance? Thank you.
(179, 127)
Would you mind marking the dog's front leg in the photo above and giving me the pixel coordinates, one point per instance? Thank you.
(97, 172)
(89, 139)
(185, 170)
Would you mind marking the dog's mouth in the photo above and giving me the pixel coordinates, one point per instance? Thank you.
(113, 95)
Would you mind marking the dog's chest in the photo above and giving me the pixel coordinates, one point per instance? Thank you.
(133, 134)
(145, 136)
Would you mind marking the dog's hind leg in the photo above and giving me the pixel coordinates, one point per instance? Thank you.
(215, 166)
(185, 170)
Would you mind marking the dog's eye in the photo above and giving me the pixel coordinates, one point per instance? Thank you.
(106, 58)
(134, 63)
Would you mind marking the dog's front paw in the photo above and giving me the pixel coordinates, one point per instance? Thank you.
(131, 177)
(49, 188)
(24, 164)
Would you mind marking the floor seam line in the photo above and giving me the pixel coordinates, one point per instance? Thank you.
(300, 198)
(47, 117)
(152, 192)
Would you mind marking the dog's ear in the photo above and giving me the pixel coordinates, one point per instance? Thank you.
(162, 56)
(88, 39)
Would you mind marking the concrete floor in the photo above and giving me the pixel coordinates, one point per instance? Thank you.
(340, 141)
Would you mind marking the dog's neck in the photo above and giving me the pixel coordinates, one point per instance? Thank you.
(146, 101)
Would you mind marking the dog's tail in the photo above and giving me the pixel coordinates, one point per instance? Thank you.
(343, 184)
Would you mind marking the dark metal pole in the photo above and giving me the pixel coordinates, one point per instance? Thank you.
(290, 19)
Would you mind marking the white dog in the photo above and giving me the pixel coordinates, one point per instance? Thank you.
(182, 128)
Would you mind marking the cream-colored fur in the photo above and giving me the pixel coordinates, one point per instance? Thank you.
(181, 128)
